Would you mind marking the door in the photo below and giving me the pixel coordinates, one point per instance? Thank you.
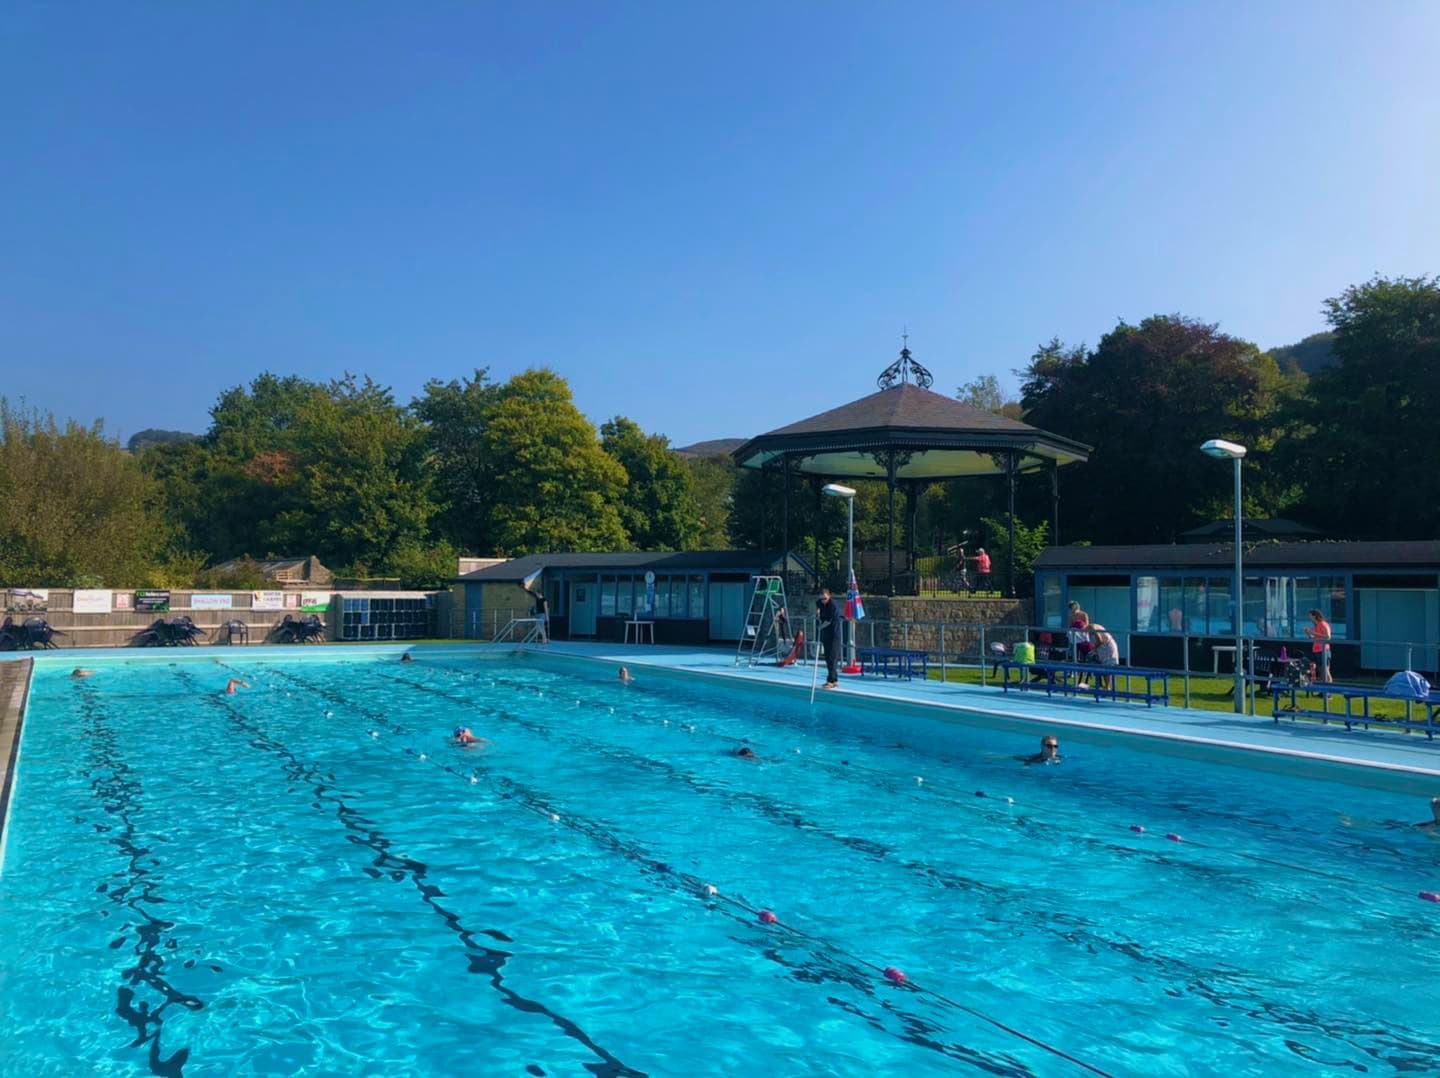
(584, 597)
(1396, 624)
(727, 610)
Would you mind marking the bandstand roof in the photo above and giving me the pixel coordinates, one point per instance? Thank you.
(934, 437)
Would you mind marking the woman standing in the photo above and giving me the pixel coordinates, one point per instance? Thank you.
(1319, 631)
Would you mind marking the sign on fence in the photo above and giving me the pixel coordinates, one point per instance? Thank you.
(314, 602)
(27, 600)
(215, 601)
(152, 602)
(92, 601)
(124, 601)
(267, 600)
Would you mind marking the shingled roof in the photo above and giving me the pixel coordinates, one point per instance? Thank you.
(936, 435)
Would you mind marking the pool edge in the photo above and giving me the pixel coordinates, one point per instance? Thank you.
(15, 678)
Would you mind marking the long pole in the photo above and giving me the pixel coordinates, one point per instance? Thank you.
(850, 544)
(1238, 604)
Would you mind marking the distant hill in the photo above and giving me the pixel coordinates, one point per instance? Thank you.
(1314, 353)
(146, 438)
(716, 447)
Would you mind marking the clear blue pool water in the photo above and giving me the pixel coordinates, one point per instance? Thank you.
(306, 878)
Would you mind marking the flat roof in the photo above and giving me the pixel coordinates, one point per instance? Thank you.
(1405, 554)
(630, 561)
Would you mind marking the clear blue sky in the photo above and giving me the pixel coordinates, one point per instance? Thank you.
(713, 218)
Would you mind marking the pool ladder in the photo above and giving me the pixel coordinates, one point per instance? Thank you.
(507, 634)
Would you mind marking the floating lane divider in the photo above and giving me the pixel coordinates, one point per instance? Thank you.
(1238, 991)
(484, 960)
(858, 973)
(890, 781)
(117, 789)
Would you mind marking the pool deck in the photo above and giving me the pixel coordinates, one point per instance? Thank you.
(1409, 755)
(14, 691)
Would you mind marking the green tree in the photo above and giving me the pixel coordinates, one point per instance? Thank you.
(712, 479)
(455, 414)
(985, 393)
(531, 474)
(290, 466)
(658, 507)
(1362, 434)
(75, 508)
(1030, 543)
(1145, 399)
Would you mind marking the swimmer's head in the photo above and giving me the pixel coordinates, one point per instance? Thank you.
(624, 673)
(462, 732)
(1049, 745)
(1435, 808)
(745, 751)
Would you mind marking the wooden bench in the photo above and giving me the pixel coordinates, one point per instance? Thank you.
(1287, 704)
(1064, 678)
(903, 661)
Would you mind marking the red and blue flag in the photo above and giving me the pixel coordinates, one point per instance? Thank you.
(854, 608)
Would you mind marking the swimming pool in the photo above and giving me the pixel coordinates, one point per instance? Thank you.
(306, 877)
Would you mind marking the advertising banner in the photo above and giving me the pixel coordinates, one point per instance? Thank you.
(124, 601)
(292, 600)
(152, 602)
(267, 600)
(92, 601)
(217, 601)
(27, 600)
(314, 602)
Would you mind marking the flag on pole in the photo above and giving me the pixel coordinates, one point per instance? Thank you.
(854, 608)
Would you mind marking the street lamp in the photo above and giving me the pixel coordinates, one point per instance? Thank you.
(835, 490)
(1220, 449)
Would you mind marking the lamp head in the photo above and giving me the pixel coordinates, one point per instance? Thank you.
(1221, 449)
(837, 491)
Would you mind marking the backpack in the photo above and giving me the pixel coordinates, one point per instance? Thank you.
(1407, 685)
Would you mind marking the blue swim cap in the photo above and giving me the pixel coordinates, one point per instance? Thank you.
(458, 731)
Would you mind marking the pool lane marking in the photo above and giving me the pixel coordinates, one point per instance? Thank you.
(1193, 976)
(949, 705)
(485, 960)
(118, 795)
(689, 884)
(782, 812)
(892, 782)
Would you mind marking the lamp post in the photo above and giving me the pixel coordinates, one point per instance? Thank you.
(835, 490)
(1220, 449)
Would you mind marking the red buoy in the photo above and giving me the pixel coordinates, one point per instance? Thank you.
(895, 976)
(1173, 837)
(1429, 896)
(767, 918)
(1137, 828)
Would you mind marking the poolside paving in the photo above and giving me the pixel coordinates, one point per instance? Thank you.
(1392, 753)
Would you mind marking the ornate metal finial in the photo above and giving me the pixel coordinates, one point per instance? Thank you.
(904, 368)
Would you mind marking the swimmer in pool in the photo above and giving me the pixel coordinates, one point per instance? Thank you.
(233, 684)
(406, 658)
(625, 678)
(745, 752)
(1049, 752)
(463, 738)
(80, 672)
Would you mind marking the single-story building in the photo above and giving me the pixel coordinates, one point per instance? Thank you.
(700, 596)
(1382, 599)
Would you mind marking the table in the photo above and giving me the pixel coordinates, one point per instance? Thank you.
(638, 626)
(1215, 650)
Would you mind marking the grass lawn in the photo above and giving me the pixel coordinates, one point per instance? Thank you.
(1213, 694)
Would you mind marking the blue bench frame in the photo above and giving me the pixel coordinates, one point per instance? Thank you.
(1069, 674)
(875, 661)
(1349, 693)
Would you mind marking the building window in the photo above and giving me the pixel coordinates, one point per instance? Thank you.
(1325, 594)
(1221, 621)
(607, 596)
(662, 596)
(1170, 614)
(624, 595)
(1052, 613)
(697, 597)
